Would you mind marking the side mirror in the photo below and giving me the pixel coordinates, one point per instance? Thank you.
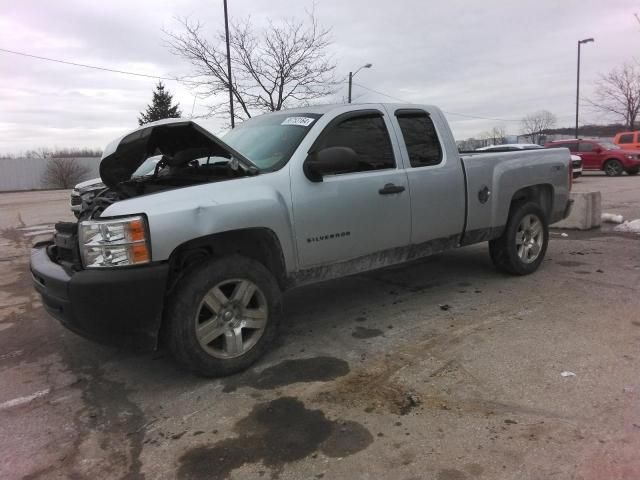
(597, 150)
(330, 160)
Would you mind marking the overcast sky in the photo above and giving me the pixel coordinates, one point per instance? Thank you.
(497, 58)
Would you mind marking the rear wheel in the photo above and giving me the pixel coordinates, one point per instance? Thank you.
(613, 168)
(523, 244)
(633, 171)
(223, 316)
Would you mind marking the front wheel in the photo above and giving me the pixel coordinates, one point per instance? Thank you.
(522, 246)
(613, 168)
(223, 316)
(633, 171)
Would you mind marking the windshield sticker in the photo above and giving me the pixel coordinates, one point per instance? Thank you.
(300, 121)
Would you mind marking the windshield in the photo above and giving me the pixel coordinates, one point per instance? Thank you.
(270, 140)
(609, 146)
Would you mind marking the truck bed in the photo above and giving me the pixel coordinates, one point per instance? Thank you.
(504, 174)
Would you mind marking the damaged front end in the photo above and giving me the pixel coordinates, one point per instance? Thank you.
(161, 156)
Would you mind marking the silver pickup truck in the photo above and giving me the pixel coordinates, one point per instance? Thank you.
(199, 252)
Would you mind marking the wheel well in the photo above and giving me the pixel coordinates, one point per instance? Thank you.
(260, 244)
(540, 194)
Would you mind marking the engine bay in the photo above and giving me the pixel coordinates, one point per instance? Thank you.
(159, 157)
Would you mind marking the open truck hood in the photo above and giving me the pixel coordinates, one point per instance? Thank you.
(178, 140)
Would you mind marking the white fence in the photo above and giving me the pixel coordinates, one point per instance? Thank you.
(27, 173)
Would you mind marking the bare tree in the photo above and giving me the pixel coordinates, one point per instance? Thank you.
(63, 173)
(535, 124)
(285, 64)
(40, 152)
(495, 136)
(618, 93)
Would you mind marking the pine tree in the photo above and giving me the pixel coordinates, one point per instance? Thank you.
(160, 107)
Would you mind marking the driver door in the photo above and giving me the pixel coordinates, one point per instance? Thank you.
(351, 215)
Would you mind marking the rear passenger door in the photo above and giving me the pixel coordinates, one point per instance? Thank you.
(436, 179)
(350, 215)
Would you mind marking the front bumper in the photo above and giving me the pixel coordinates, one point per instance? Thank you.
(120, 306)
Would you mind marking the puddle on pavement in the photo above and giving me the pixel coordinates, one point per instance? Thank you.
(363, 333)
(275, 433)
(316, 369)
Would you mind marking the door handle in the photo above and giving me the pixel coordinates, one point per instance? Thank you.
(390, 188)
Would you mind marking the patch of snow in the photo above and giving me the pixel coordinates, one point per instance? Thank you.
(42, 226)
(612, 218)
(630, 227)
(39, 232)
(22, 400)
(567, 374)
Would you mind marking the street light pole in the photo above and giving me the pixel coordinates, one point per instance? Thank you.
(580, 42)
(351, 75)
(226, 30)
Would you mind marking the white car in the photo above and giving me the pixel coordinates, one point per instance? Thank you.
(89, 188)
(509, 147)
(576, 161)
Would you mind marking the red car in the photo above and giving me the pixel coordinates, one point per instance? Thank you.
(601, 156)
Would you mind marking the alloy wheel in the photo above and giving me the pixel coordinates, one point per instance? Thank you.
(529, 238)
(231, 318)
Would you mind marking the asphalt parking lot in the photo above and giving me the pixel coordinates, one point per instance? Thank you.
(442, 369)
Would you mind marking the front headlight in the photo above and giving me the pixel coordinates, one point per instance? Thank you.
(114, 243)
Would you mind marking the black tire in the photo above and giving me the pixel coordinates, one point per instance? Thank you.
(186, 303)
(633, 171)
(504, 250)
(613, 168)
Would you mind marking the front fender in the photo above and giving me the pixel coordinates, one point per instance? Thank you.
(180, 215)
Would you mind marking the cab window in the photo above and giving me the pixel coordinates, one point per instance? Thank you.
(367, 135)
(420, 137)
(585, 147)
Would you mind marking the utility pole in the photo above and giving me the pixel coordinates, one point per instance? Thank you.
(580, 42)
(226, 30)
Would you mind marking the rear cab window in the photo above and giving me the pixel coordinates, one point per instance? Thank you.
(420, 137)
